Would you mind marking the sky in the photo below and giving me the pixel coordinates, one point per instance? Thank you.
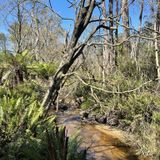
(62, 8)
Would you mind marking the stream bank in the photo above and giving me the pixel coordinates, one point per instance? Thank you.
(103, 142)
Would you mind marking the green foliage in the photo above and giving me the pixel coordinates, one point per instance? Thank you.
(138, 108)
(43, 69)
(128, 67)
(23, 122)
(12, 66)
(74, 152)
(3, 91)
(148, 140)
(82, 90)
(61, 147)
(23, 127)
(58, 143)
(8, 60)
(147, 63)
(140, 103)
(144, 67)
(156, 117)
(86, 104)
(28, 88)
(25, 62)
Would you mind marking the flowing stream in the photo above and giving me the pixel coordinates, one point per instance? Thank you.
(104, 142)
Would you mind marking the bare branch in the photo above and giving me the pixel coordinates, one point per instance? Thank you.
(114, 92)
(52, 10)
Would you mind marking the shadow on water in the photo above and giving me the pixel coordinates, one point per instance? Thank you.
(104, 143)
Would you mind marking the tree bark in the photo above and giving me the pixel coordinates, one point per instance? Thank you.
(82, 20)
(108, 51)
(18, 69)
(134, 53)
(157, 29)
(74, 50)
(117, 20)
(125, 21)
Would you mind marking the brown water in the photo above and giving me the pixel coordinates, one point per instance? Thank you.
(104, 142)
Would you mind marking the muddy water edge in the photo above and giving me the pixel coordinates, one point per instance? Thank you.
(104, 142)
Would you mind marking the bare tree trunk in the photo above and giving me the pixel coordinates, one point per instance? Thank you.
(125, 21)
(19, 38)
(117, 20)
(18, 69)
(108, 51)
(134, 53)
(111, 20)
(116, 32)
(82, 20)
(112, 48)
(157, 29)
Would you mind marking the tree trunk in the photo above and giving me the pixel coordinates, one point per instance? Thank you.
(108, 51)
(74, 49)
(19, 39)
(134, 53)
(82, 20)
(56, 83)
(157, 29)
(117, 20)
(125, 21)
(18, 69)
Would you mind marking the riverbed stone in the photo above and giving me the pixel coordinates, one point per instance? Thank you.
(113, 120)
(101, 119)
(63, 107)
(84, 114)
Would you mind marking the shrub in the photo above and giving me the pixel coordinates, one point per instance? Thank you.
(86, 104)
(61, 147)
(23, 128)
(42, 69)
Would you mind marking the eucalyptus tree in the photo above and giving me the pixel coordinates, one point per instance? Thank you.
(84, 14)
(126, 25)
(108, 50)
(157, 31)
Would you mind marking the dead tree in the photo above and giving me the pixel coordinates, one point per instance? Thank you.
(74, 49)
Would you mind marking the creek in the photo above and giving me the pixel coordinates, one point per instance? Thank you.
(103, 142)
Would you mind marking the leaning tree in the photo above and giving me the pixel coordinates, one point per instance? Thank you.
(74, 48)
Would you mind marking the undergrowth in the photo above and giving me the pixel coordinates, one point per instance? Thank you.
(133, 100)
